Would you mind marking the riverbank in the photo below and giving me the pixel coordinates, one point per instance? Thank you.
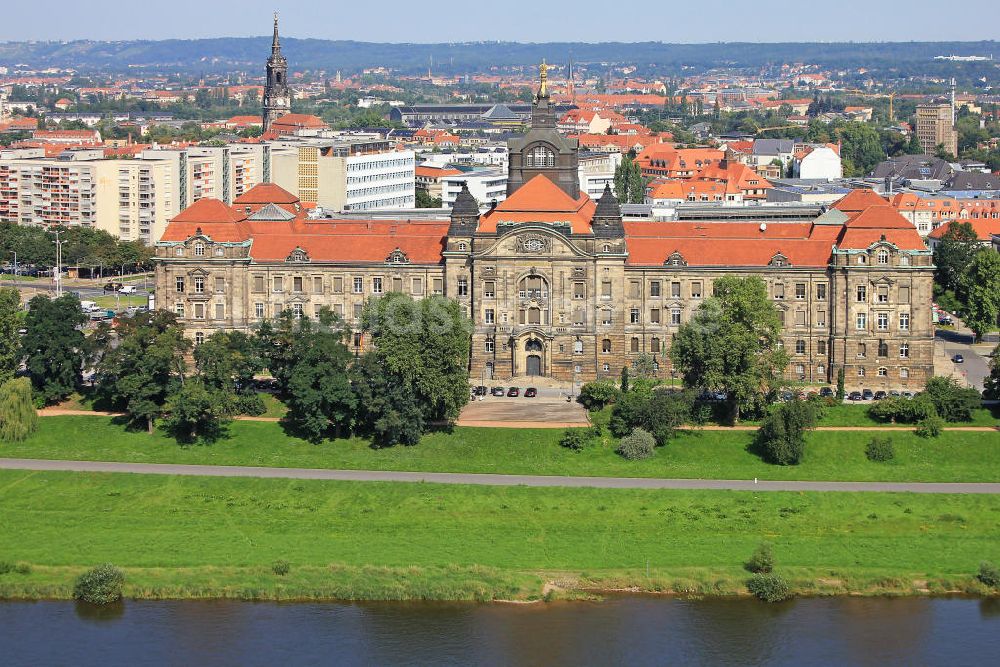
(210, 537)
(338, 582)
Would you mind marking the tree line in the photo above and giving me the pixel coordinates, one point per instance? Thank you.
(411, 377)
(82, 246)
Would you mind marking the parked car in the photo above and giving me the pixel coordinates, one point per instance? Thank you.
(854, 396)
(497, 391)
(127, 289)
(266, 384)
(479, 391)
(958, 359)
(112, 286)
(894, 393)
(513, 392)
(530, 392)
(879, 395)
(867, 395)
(827, 392)
(907, 394)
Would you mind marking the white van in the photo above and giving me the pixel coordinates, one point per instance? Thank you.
(87, 306)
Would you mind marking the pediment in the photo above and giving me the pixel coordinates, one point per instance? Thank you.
(529, 241)
(297, 255)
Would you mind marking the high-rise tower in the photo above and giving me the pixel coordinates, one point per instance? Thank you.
(277, 98)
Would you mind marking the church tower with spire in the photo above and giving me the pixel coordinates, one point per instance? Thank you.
(543, 149)
(277, 98)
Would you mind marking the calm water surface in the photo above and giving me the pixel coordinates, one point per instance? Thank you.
(619, 631)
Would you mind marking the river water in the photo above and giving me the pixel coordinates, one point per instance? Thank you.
(627, 630)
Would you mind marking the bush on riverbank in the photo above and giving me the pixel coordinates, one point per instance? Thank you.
(768, 587)
(281, 567)
(100, 585)
(762, 559)
(989, 574)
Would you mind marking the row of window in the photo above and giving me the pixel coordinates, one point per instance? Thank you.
(883, 350)
(375, 284)
(881, 294)
(200, 251)
(881, 321)
(379, 164)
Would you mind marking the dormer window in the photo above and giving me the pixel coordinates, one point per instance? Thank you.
(862, 259)
(607, 247)
(199, 249)
(220, 251)
(540, 156)
(179, 252)
(882, 257)
(463, 246)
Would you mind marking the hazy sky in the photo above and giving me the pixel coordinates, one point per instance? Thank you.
(511, 20)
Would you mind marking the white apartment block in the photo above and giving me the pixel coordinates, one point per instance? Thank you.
(346, 175)
(486, 185)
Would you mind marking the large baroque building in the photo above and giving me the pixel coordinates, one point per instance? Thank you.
(557, 284)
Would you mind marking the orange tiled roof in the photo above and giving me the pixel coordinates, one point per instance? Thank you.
(859, 200)
(541, 200)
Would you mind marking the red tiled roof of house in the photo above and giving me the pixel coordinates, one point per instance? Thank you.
(984, 227)
(435, 172)
(541, 200)
(266, 193)
(858, 200)
(323, 240)
(727, 243)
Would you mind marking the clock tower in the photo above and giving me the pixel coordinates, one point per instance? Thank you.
(277, 98)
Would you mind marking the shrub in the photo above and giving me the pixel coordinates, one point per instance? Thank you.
(658, 412)
(989, 574)
(18, 418)
(637, 445)
(573, 438)
(762, 559)
(768, 587)
(781, 437)
(953, 402)
(100, 585)
(6, 567)
(930, 427)
(22, 568)
(596, 395)
(281, 567)
(249, 404)
(901, 410)
(880, 450)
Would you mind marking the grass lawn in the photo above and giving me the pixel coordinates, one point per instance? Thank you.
(185, 536)
(125, 300)
(830, 455)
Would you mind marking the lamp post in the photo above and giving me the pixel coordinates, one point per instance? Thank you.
(58, 274)
(15, 266)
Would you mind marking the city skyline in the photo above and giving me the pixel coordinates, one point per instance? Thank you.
(523, 22)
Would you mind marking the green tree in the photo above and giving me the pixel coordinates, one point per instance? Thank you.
(196, 411)
(732, 345)
(991, 389)
(954, 253)
(952, 402)
(781, 437)
(623, 380)
(144, 369)
(424, 200)
(388, 410)
(595, 395)
(914, 147)
(426, 343)
(54, 345)
(981, 292)
(321, 401)
(18, 417)
(227, 362)
(629, 183)
(11, 316)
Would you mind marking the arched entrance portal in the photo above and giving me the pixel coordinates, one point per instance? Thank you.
(533, 365)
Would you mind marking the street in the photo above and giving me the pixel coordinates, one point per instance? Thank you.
(959, 340)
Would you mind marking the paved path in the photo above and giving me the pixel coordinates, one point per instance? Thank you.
(491, 479)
